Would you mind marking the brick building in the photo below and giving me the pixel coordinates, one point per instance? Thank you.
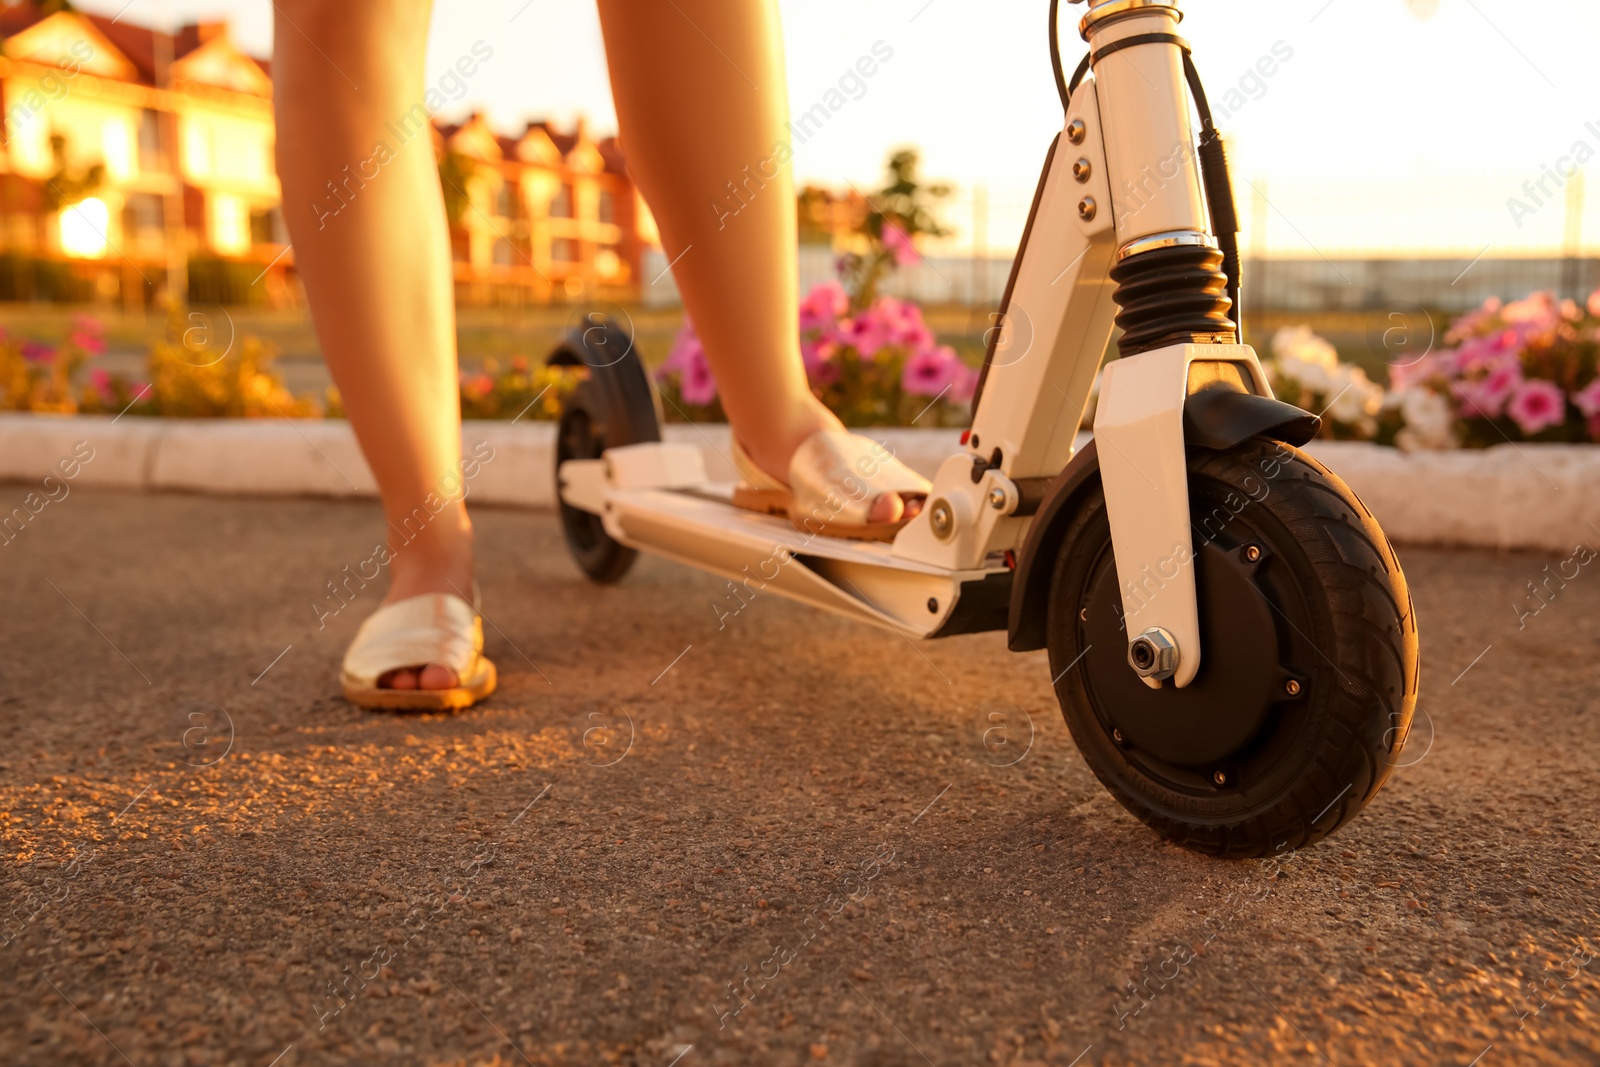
(132, 158)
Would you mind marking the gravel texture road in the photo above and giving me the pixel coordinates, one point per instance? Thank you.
(791, 840)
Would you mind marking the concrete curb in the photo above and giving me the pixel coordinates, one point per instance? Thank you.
(1511, 496)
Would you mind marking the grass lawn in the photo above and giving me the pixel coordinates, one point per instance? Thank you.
(533, 331)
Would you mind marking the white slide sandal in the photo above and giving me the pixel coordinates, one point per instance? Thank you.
(834, 478)
(437, 628)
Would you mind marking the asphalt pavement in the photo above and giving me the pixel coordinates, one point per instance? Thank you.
(788, 840)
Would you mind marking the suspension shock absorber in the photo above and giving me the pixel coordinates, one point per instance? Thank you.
(1172, 285)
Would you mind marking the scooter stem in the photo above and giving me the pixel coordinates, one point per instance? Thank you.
(1144, 113)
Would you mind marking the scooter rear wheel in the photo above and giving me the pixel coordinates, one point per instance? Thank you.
(1309, 672)
(614, 405)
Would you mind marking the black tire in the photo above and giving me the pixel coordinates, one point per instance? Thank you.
(1308, 677)
(613, 406)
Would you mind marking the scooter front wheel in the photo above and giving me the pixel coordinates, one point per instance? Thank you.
(1308, 676)
(613, 406)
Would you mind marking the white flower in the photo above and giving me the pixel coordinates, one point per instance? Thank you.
(1355, 397)
(1308, 359)
(1429, 421)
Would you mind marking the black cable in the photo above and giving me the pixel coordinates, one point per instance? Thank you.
(1063, 87)
(1055, 55)
(1077, 75)
(1218, 185)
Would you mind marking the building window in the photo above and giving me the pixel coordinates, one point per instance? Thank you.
(117, 150)
(608, 206)
(564, 250)
(505, 200)
(503, 252)
(561, 203)
(151, 158)
(143, 224)
(228, 224)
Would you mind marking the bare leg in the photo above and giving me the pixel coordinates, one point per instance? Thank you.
(701, 102)
(378, 272)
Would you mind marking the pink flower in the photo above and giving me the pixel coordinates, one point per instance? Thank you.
(819, 362)
(867, 332)
(87, 335)
(1535, 307)
(101, 381)
(1594, 303)
(1472, 321)
(822, 307)
(1403, 376)
(93, 344)
(1537, 405)
(898, 244)
(966, 384)
(1587, 399)
(1486, 397)
(688, 361)
(930, 372)
(1503, 348)
(903, 320)
(38, 352)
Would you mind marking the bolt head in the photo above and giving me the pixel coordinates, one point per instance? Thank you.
(933, 605)
(1154, 654)
(1292, 687)
(997, 498)
(1083, 614)
(1076, 131)
(942, 519)
(1252, 553)
(1220, 777)
(1081, 170)
(1116, 735)
(1087, 208)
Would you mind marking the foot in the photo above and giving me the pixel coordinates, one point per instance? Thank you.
(772, 448)
(437, 572)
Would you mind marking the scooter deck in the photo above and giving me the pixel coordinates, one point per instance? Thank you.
(695, 522)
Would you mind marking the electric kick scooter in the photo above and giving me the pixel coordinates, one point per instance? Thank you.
(1231, 639)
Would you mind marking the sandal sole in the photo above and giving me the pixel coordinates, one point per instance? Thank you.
(778, 502)
(456, 699)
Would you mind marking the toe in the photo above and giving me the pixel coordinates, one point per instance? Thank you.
(437, 676)
(404, 678)
(888, 507)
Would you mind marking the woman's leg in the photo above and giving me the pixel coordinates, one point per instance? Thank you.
(375, 259)
(701, 102)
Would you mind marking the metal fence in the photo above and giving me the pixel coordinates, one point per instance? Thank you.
(1407, 238)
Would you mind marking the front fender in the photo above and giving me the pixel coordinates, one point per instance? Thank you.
(1219, 417)
(1215, 417)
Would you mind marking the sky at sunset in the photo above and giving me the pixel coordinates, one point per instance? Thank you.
(1394, 125)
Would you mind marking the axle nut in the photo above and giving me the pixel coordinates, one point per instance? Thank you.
(1154, 654)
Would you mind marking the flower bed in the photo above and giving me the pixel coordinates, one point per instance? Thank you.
(1523, 371)
(878, 365)
(186, 378)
